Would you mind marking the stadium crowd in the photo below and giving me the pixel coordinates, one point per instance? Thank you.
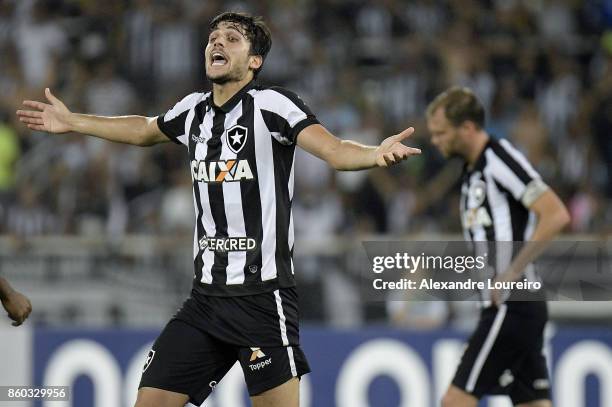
(366, 68)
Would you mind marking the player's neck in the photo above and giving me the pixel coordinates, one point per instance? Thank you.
(476, 147)
(224, 92)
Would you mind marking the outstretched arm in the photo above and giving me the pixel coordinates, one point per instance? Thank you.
(17, 305)
(55, 117)
(349, 155)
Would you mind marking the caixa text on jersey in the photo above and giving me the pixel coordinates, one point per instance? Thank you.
(227, 244)
(221, 171)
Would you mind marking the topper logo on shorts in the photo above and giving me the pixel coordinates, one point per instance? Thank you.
(150, 357)
(258, 354)
(221, 171)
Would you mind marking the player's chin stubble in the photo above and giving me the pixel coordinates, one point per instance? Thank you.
(230, 76)
(220, 80)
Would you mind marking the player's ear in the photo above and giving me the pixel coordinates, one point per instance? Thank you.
(468, 127)
(255, 62)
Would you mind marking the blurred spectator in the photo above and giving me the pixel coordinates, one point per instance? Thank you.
(177, 210)
(367, 68)
(601, 122)
(373, 23)
(557, 22)
(7, 23)
(28, 216)
(107, 94)
(425, 18)
(139, 30)
(41, 41)
(530, 135)
(174, 47)
(9, 154)
(559, 97)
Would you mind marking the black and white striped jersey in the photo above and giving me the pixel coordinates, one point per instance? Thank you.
(495, 198)
(241, 163)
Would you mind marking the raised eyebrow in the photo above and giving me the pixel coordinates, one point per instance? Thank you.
(228, 28)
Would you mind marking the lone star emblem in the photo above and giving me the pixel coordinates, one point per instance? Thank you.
(236, 138)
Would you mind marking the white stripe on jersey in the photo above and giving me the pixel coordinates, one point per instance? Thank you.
(273, 101)
(486, 348)
(478, 232)
(291, 233)
(196, 247)
(291, 239)
(291, 178)
(208, 256)
(504, 174)
(267, 191)
(232, 197)
(520, 158)
(530, 273)
(187, 103)
(502, 222)
(462, 209)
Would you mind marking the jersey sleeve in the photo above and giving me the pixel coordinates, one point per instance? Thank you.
(511, 169)
(285, 114)
(173, 122)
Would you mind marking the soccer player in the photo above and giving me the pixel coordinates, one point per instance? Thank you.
(241, 139)
(502, 199)
(17, 305)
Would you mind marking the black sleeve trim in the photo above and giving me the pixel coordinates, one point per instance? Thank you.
(168, 129)
(301, 126)
(277, 123)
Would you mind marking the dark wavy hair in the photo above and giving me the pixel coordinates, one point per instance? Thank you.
(255, 30)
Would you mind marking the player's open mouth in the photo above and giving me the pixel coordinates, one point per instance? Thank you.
(218, 59)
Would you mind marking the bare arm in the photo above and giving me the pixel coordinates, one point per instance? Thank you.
(552, 218)
(17, 305)
(5, 289)
(347, 155)
(55, 117)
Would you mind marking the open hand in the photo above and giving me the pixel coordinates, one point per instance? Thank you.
(391, 151)
(53, 117)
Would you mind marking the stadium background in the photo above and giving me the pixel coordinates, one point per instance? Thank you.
(98, 234)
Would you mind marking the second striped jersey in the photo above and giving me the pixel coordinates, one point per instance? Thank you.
(241, 162)
(496, 194)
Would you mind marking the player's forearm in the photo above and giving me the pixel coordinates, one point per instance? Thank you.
(350, 155)
(548, 227)
(5, 289)
(122, 129)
